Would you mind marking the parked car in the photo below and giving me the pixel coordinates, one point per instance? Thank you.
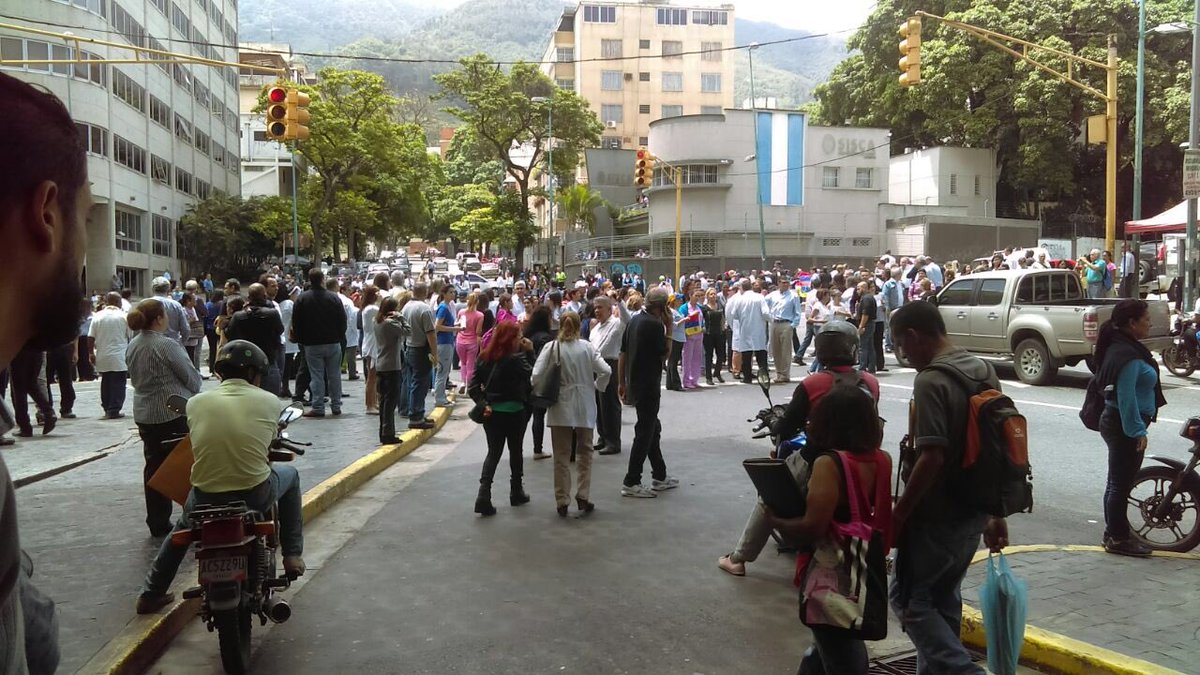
(376, 268)
(1041, 319)
(489, 270)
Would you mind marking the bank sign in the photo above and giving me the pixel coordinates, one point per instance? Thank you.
(780, 158)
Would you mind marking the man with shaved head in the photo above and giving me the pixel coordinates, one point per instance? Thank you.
(261, 324)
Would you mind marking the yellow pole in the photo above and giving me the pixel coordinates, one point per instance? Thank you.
(1110, 170)
(678, 219)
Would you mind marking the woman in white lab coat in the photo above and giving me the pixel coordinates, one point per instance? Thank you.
(572, 418)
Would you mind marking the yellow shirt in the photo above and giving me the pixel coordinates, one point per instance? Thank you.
(232, 427)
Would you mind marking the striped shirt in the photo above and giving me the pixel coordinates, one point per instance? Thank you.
(158, 369)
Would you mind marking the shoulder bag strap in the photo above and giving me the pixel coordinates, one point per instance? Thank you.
(853, 495)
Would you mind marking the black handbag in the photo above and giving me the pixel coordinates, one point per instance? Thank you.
(482, 409)
(546, 396)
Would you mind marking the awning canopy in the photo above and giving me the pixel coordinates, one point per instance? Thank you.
(1173, 219)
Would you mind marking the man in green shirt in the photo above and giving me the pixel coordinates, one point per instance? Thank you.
(231, 429)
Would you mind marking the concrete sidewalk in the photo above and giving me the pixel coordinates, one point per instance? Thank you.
(1142, 608)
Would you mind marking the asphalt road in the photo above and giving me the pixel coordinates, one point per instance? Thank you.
(423, 585)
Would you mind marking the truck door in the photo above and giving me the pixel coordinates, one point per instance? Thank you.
(988, 317)
(954, 302)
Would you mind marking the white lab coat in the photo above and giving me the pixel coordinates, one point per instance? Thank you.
(583, 373)
(748, 315)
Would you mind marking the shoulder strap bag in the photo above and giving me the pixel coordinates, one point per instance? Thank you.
(546, 395)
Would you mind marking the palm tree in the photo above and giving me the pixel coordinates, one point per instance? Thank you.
(578, 204)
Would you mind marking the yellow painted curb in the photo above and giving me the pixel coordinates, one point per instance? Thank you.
(145, 637)
(1059, 653)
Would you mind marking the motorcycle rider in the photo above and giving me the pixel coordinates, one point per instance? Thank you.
(837, 351)
(232, 428)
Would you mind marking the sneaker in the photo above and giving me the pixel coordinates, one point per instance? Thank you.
(149, 603)
(664, 484)
(737, 569)
(1128, 547)
(313, 413)
(639, 491)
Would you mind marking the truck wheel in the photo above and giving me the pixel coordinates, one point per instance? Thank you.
(1033, 363)
(1147, 272)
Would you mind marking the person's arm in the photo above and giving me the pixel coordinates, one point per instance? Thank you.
(795, 416)
(91, 348)
(540, 366)
(600, 369)
(1127, 401)
(621, 376)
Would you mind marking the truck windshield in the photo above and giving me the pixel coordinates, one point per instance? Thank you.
(1050, 287)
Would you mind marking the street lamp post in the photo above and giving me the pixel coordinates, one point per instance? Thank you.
(1189, 270)
(762, 234)
(1139, 130)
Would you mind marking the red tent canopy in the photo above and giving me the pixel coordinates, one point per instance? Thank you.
(1173, 219)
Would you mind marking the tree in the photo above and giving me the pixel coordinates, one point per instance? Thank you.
(218, 235)
(497, 107)
(578, 205)
(974, 95)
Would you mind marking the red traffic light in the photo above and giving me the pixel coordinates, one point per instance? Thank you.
(277, 94)
(641, 153)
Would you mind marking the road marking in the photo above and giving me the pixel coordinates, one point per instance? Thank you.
(1059, 406)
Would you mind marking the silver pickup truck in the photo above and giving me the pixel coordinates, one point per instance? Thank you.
(1039, 318)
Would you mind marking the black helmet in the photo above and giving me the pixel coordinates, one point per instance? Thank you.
(837, 344)
(237, 357)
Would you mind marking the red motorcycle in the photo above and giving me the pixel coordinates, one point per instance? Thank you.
(236, 555)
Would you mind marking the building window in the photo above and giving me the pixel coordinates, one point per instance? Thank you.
(181, 22)
(710, 110)
(710, 51)
(672, 82)
(672, 17)
(829, 177)
(698, 174)
(643, 77)
(643, 44)
(707, 17)
(599, 14)
(183, 129)
(203, 142)
(671, 49)
(202, 96)
(644, 109)
(260, 137)
(203, 189)
(160, 169)
(18, 49)
(569, 85)
(129, 231)
(861, 242)
(182, 77)
(612, 113)
(159, 59)
(160, 112)
(129, 155)
(162, 6)
(610, 142)
(833, 242)
(97, 7)
(611, 49)
(643, 140)
(862, 178)
(564, 55)
(161, 229)
(953, 183)
(672, 110)
(124, 23)
(183, 181)
(218, 153)
(978, 186)
(610, 80)
(131, 278)
(710, 83)
(94, 137)
(129, 91)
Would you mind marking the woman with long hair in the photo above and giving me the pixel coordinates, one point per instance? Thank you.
(386, 363)
(693, 346)
(467, 342)
(1128, 374)
(678, 339)
(856, 448)
(714, 336)
(582, 372)
(501, 379)
(537, 331)
(158, 369)
(368, 310)
(233, 305)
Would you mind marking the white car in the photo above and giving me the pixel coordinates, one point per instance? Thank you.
(489, 270)
(376, 268)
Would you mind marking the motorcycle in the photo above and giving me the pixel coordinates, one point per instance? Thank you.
(1164, 496)
(1182, 356)
(767, 424)
(236, 552)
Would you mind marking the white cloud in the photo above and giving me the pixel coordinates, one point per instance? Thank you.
(817, 16)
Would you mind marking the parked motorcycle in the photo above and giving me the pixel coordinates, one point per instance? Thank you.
(1182, 356)
(1167, 499)
(767, 424)
(235, 552)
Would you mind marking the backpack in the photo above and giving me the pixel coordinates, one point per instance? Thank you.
(1093, 405)
(1108, 278)
(994, 475)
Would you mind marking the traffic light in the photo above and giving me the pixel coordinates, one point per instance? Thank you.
(910, 52)
(276, 115)
(643, 171)
(297, 115)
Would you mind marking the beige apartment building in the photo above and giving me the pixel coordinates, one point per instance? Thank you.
(636, 62)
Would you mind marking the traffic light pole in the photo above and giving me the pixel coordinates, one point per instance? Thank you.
(678, 174)
(295, 210)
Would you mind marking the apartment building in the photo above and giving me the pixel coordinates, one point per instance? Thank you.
(266, 165)
(636, 62)
(160, 136)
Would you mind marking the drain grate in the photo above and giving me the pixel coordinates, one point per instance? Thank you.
(904, 664)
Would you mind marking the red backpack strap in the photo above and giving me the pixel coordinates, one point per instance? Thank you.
(854, 495)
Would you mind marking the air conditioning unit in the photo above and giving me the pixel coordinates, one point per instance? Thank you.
(611, 124)
(629, 77)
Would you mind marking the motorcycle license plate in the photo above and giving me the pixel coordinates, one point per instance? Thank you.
(222, 568)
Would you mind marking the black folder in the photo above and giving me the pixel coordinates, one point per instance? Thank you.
(776, 486)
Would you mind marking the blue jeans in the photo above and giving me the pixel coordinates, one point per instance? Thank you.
(866, 348)
(324, 368)
(810, 332)
(1123, 463)
(832, 653)
(445, 362)
(282, 487)
(926, 591)
(416, 372)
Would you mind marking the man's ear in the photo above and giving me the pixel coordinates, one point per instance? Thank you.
(44, 216)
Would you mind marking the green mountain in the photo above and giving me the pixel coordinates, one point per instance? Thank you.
(506, 30)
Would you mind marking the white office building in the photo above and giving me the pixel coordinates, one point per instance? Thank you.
(160, 136)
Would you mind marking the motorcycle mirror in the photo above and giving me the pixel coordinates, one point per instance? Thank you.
(289, 415)
(764, 381)
(177, 404)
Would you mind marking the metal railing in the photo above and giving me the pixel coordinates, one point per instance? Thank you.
(632, 246)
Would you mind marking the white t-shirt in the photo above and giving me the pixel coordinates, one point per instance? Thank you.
(111, 333)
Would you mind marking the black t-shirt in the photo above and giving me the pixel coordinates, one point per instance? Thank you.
(644, 345)
(867, 308)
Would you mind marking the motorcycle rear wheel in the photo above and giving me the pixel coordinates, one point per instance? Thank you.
(233, 633)
(1179, 529)
(1176, 362)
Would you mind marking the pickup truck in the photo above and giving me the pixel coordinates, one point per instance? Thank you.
(1041, 319)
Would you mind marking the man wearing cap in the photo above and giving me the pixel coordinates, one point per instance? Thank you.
(177, 322)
